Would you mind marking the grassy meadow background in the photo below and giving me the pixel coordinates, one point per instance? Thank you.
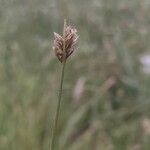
(106, 99)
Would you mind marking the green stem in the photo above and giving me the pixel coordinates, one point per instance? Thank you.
(60, 92)
(58, 108)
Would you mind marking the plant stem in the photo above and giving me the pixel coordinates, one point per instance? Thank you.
(54, 131)
(58, 108)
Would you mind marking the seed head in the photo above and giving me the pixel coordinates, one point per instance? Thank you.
(65, 45)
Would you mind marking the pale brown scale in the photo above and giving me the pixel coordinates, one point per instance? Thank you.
(69, 39)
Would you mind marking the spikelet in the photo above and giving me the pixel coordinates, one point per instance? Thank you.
(65, 45)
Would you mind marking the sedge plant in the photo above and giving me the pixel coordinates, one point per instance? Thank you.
(63, 47)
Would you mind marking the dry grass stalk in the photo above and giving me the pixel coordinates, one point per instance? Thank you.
(63, 46)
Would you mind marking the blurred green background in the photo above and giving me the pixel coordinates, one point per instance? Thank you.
(106, 96)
